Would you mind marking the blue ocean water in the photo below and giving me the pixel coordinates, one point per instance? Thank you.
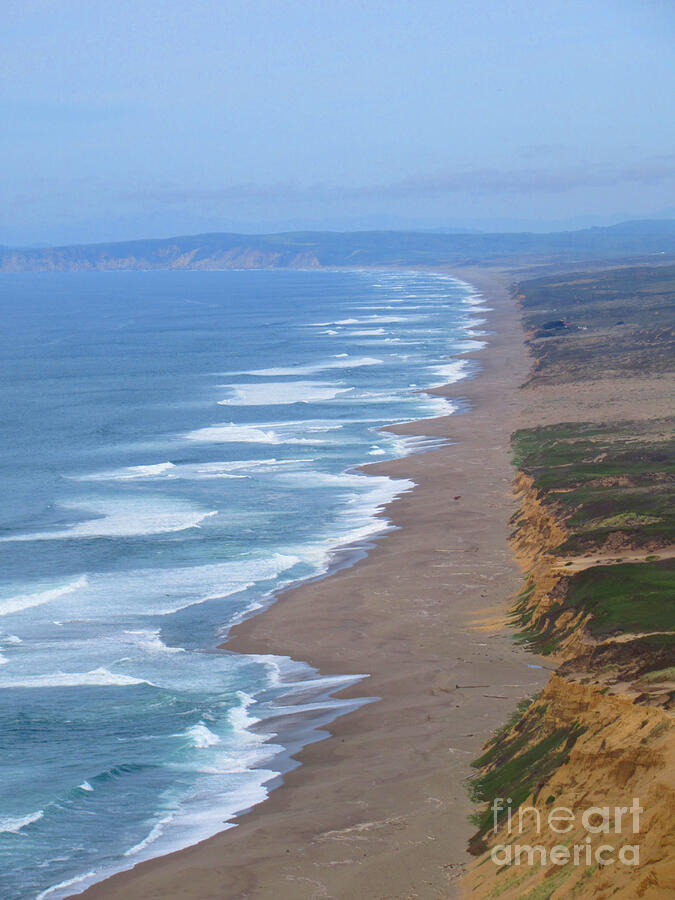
(177, 446)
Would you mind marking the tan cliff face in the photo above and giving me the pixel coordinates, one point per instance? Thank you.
(536, 532)
(540, 607)
(625, 751)
(622, 749)
(536, 536)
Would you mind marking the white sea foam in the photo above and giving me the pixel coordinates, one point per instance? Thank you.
(242, 468)
(240, 720)
(201, 737)
(360, 516)
(206, 817)
(320, 426)
(144, 471)
(452, 371)
(411, 444)
(253, 465)
(224, 580)
(272, 433)
(188, 472)
(336, 322)
(469, 346)
(231, 433)
(204, 471)
(26, 601)
(161, 592)
(127, 517)
(364, 396)
(367, 332)
(14, 824)
(238, 575)
(156, 831)
(150, 642)
(434, 407)
(97, 678)
(365, 320)
(132, 473)
(341, 361)
(473, 299)
(63, 885)
(280, 393)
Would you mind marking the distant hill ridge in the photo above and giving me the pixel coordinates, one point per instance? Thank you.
(315, 249)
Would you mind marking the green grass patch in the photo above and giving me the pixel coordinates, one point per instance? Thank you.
(660, 675)
(491, 755)
(626, 597)
(513, 881)
(547, 888)
(541, 636)
(517, 769)
(600, 479)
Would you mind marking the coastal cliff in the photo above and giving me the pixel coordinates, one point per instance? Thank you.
(594, 537)
(171, 255)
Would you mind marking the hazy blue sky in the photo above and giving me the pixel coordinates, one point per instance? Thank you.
(154, 118)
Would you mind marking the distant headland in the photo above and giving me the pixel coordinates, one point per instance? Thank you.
(317, 249)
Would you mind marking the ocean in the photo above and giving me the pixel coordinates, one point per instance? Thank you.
(176, 448)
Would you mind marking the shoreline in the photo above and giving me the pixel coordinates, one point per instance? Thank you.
(350, 822)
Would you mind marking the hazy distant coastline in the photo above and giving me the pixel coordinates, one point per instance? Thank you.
(316, 249)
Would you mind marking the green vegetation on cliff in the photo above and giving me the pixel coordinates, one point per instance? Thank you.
(611, 483)
(597, 527)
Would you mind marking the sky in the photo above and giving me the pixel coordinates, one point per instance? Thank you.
(146, 118)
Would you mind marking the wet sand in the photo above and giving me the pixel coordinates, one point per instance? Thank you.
(379, 809)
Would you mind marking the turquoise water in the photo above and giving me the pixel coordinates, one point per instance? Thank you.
(176, 447)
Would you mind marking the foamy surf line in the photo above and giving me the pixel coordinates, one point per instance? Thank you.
(341, 361)
(298, 716)
(305, 706)
(115, 518)
(282, 393)
(161, 837)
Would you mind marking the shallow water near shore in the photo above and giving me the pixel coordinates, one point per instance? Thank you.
(178, 447)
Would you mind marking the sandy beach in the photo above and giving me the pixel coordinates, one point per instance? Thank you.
(379, 809)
